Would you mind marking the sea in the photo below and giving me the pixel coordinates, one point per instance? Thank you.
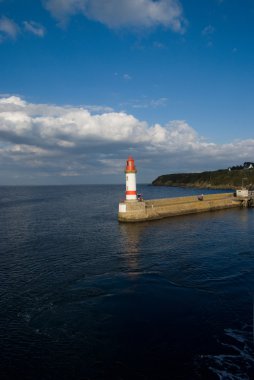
(83, 296)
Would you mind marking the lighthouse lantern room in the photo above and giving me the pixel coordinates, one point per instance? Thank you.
(130, 171)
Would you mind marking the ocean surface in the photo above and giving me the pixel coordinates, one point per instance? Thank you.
(84, 297)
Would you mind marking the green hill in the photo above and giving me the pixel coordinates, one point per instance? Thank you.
(219, 179)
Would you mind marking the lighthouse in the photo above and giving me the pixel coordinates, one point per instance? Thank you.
(130, 171)
(133, 207)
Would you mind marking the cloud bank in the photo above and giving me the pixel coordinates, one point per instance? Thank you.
(42, 143)
(122, 13)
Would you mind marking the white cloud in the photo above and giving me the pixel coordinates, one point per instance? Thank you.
(21, 149)
(147, 103)
(127, 77)
(34, 28)
(159, 45)
(207, 33)
(122, 13)
(65, 144)
(62, 9)
(8, 28)
(69, 174)
(161, 102)
(98, 109)
(65, 141)
(15, 122)
(12, 100)
(208, 30)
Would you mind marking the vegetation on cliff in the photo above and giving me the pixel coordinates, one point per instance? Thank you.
(219, 179)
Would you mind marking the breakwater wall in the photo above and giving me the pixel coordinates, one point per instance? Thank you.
(136, 211)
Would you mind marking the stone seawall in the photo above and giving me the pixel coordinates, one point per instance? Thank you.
(134, 211)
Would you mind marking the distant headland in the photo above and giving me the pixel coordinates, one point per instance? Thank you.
(234, 177)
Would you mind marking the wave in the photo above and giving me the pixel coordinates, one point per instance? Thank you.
(237, 361)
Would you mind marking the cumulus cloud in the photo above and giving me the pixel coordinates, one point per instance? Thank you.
(8, 28)
(34, 28)
(122, 13)
(71, 142)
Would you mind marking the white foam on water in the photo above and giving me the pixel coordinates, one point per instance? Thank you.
(238, 362)
(238, 335)
(224, 375)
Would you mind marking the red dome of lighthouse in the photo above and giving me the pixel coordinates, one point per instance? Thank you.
(130, 165)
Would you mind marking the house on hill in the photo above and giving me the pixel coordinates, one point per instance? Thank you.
(246, 165)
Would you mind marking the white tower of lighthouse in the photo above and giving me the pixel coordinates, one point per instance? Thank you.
(130, 170)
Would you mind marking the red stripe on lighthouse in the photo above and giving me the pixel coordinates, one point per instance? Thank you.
(130, 192)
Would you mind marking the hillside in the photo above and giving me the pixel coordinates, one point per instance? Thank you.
(219, 179)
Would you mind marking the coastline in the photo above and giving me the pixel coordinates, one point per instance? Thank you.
(201, 186)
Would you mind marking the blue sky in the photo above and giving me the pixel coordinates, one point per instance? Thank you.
(85, 83)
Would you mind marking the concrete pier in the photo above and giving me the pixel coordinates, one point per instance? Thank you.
(138, 211)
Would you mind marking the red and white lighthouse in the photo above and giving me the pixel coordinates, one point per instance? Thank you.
(130, 171)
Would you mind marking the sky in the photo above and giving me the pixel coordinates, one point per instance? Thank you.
(86, 83)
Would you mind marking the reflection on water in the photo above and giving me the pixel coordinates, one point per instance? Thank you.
(244, 215)
(130, 237)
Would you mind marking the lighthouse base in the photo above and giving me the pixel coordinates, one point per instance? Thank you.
(131, 211)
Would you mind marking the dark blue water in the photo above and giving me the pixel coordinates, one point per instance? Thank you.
(84, 297)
